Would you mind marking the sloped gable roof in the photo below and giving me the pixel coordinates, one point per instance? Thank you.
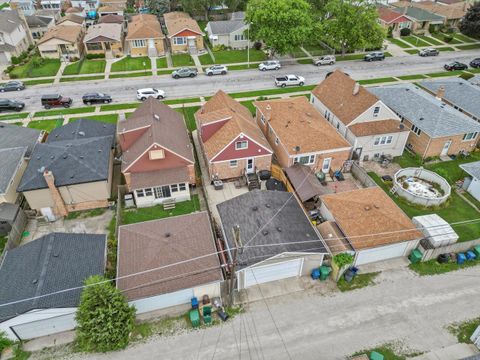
(9, 161)
(144, 26)
(389, 16)
(15, 136)
(68, 33)
(472, 168)
(105, 31)
(111, 19)
(225, 27)
(73, 18)
(177, 21)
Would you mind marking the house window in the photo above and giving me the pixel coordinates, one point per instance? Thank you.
(233, 163)
(326, 164)
(162, 192)
(304, 160)
(179, 40)
(470, 136)
(239, 145)
(416, 130)
(148, 192)
(140, 193)
(239, 37)
(182, 187)
(94, 46)
(382, 140)
(276, 141)
(389, 139)
(174, 188)
(139, 43)
(376, 110)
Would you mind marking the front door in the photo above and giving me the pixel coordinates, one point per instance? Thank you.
(250, 166)
(162, 192)
(446, 147)
(107, 46)
(326, 165)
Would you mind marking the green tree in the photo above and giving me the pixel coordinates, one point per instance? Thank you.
(104, 317)
(201, 7)
(158, 7)
(351, 25)
(470, 24)
(282, 24)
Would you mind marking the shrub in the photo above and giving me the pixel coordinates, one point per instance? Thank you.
(23, 56)
(15, 60)
(95, 56)
(257, 45)
(30, 48)
(343, 259)
(450, 30)
(405, 185)
(466, 76)
(433, 29)
(4, 341)
(390, 31)
(9, 68)
(405, 32)
(37, 61)
(218, 47)
(447, 38)
(74, 59)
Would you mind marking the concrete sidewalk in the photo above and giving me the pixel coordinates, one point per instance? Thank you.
(453, 352)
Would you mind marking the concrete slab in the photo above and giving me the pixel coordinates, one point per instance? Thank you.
(453, 352)
(49, 341)
(373, 166)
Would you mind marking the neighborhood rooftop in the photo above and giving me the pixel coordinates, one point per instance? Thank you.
(225, 26)
(67, 33)
(178, 21)
(104, 32)
(19, 136)
(10, 160)
(472, 169)
(9, 20)
(425, 111)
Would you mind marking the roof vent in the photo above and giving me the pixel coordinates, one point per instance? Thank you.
(167, 234)
(65, 156)
(367, 208)
(268, 107)
(34, 281)
(42, 169)
(296, 148)
(156, 117)
(38, 157)
(81, 156)
(255, 208)
(99, 150)
(72, 176)
(307, 234)
(267, 205)
(279, 229)
(81, 133)
(421, 119)
(376, 206)
(401, 126)
(52, 157)
(56, 135)
(264, 232)
(356, 88)
(56, 254)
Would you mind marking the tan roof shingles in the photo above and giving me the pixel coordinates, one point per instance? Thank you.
(73, 18)
(336, 93)
(144, 26)
(177, 21)
(63, 32)
(368, 128)
(145, 246)
(297, 123)
(369, 218)
(104, 31)
(222, 106)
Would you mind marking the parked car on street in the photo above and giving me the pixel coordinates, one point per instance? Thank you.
(11, 105)
(55, 100)
(216, 70)
(475, 63)
(184, 72)
(143, 94)
(92, 98)
(289, 80)
(455, 65)
(324, 60)
(12, 86)
(374, 56)
(269, 65)
(428, 52)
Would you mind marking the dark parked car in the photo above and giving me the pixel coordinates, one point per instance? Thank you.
(92, 98)
(475, 63)
(12, 86)
(53, 100)
(374, 56)
(11, 105)
(184, 72)
(455, 66)
(428, 52)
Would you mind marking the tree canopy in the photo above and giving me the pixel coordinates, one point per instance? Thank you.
(282, 24)
(158, 7)
(470, 24)
(199, 6)
(104, 317)
(351, 25)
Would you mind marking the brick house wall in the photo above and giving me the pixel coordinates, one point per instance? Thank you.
(224, 171)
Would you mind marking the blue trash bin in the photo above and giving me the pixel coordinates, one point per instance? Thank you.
(194, 302)
(461, 258)
(315, 274)
(471, 255)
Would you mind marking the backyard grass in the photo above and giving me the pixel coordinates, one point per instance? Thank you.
(111, 118)
(249, 105)
(85, 67)
(206, 59)
(445, 73)
(129, 75)
(238, 56)
(400, 43)
(14, 116)
(464, 38)
(468, 47)
(415, 41)
(450, 169)
(470, 198)
(181, 101)
(85, 214)
(432, 267)
(188, 113)
(429, 39)
(47, 125)
(464, 330)
(377, 81)
(156, 212)
(38, 82)
(131, 64)
(82, 78)
(182, 60)
(162, 62)
(408, 159)
(48, 68)
(412, 77)
(358, 282)
(82, 110)
(119, 106)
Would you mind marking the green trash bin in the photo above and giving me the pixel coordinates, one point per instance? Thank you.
(194, 318)
(324, 272)
(376, 356)
(415, 256)
(476, 250)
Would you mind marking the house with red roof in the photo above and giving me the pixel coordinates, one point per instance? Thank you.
(395, 20)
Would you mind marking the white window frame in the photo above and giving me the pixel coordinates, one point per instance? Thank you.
(174, 188)
(416, 130)
(310, 159)
(470, 136)
(233, 163)
(180, 40)
(139, 43)
(329, 161)
(239, 37)
(140, 193)
(182, 187)
(389, 139)
(239, 145)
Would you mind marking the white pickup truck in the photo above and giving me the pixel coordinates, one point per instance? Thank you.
(289, 80)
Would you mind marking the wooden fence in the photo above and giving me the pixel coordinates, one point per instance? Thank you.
(453, 248)
(277, 173)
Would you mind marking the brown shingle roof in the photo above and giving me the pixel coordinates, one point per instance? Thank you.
(305, 183)
(377, 127)
(156, 178)
(63, 32)
(159, 243)
(336, 93)
(297, 123)
(177, 21)
(111, 19)
(74, 10)
(222, 106)
(369, 218)
(144, 26)
(110, 8)
(104, 32)
(73, 18)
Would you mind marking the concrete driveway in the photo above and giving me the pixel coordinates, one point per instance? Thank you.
(401, 307)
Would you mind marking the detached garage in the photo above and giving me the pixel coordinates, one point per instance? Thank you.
(155, 263)
(376, 228)
(279, 240)
(47, 265)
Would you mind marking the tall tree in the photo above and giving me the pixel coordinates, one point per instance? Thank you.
(470, 24)
(104, 317)
(351, 25)
(199, 6)
(158, 7)
(282, 24)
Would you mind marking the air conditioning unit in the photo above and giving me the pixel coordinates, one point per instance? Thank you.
(156, 154)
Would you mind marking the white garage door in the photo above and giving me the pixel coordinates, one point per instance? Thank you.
(263, 274)
(381, 253)
(163, 301)
(45, 327)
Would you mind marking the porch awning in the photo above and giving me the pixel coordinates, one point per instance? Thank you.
(305, 182)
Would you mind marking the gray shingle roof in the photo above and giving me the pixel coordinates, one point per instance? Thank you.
(9, 20)
(475, 80)
(75, 153)
(9, 162)
(225, 27)
(52, 263)
(280, 219)
(8, 212)
(425, 111)
(472, 169)
(36, 21)
(458, 92)
(18, 136)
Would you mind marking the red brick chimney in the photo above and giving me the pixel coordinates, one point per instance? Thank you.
(59, 207)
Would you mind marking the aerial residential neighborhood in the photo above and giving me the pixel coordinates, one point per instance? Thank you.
(257, 179)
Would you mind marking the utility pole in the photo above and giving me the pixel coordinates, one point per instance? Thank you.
(238, 246)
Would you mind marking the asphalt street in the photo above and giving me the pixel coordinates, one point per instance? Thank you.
(123, 90)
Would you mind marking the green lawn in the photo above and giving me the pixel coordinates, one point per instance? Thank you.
(38, 82)
(358, 282)
(464, 330)
(415, 41)
(82, 78)
(388, 352)
(249, 104)
(164, 72)
(84, 214)
(48, 68)
(14, 116)
(182, 60)
(432, 267)
(305, 61)
(400, 43)
(238, 56)
(3, 242)
(445, 73)
(456, 210)
(408, 159)
(412, 77)
(111, 118)
(188, 113)
(468, 47)
(412, 51)
(132, 63)
(464, 38)
(85, 67)
(47, 125)
(445, 48)
(119, 106)
(129, 75)
(450, 169)
(242, 67)
(157, 212)
(206, 59)
(429, 40)
(82, 110)
(162, 63)
(377, 81)
(181, 101)
(470, 198)
(441, 37)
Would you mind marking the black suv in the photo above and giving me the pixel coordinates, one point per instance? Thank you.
(455, 66)
(374, 56)
(92, 98)
(9, 105)
(12, 86)
(475, 63)
(53, 100)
